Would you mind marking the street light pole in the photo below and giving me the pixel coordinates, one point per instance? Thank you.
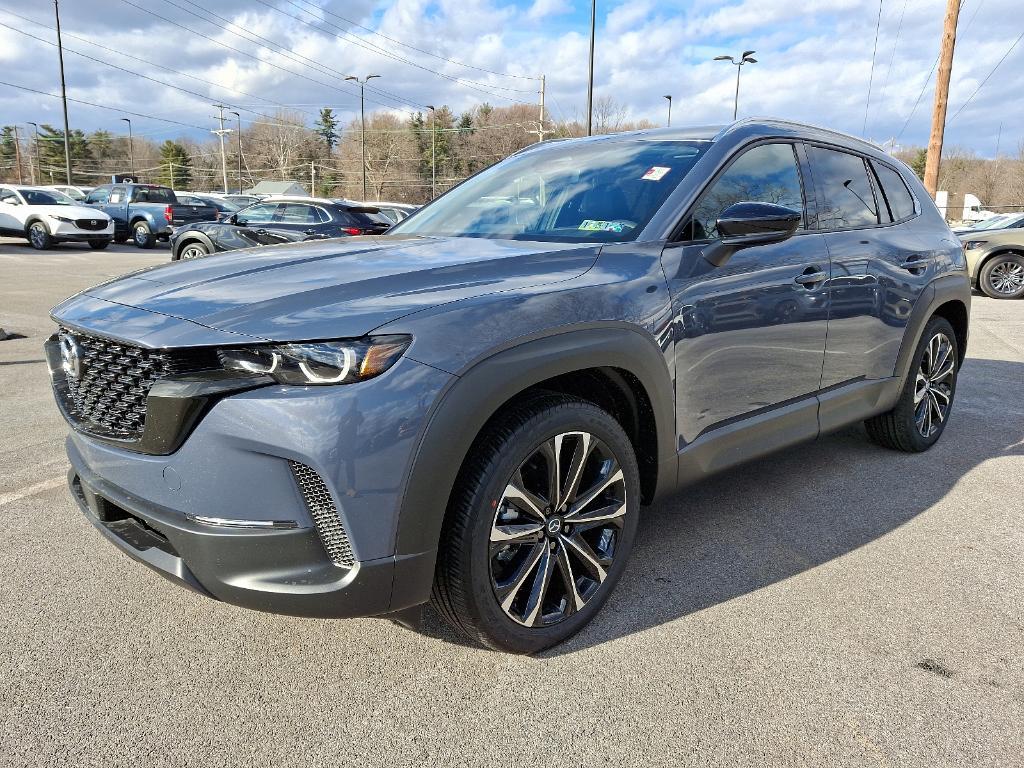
(433, 151)
(669, 111)
(362, 121)
(590, 79)
(240, 151)
(131, 147)
(746, 58)
(63, 94)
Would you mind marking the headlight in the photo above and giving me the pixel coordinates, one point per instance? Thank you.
(65, 219)
(970, 245)
(321, 362)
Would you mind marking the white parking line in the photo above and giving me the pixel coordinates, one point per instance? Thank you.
(32, 490)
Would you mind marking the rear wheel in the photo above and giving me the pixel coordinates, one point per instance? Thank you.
(39, 236)
(921, 413)
(540, 525)
(1002, 277)
(142, 235)
(98, 245)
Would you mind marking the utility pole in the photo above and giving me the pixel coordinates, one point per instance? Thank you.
(39, 161)
(362, 121)
(931, 166)
(17, 155)
(223, 153)
(239, 151)
(63, 94)
(590, 80)
(433, 151)
(131, 147)
(312, 178)
(540, 126)
(669, 111)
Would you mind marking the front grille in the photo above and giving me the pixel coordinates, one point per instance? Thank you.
(108, 397)
(91, 224)
(325, 515)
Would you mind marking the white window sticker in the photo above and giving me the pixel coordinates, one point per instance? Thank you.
(656, 173)
(593, 225)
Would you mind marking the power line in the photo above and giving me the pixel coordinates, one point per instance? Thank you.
(871, 78)
(103, 106)
(989, 75)
(413, 47)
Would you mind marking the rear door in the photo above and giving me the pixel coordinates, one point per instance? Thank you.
(750, 335)
(300, 221)
(881, 261)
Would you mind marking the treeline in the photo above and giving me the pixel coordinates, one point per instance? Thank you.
(406, 156)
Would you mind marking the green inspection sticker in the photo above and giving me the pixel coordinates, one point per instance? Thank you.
(592, 225)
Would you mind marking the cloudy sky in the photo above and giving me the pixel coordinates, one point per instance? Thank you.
(257, 55)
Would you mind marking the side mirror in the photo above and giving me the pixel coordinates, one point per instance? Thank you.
(233, 219)
(744, 224)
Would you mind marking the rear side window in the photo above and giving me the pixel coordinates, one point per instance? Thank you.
(894, 188)
(847, 197)
(768, 173)
(297, 213)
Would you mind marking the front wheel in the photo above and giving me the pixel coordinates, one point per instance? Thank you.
(142, 235)
(540, 525)
(921, 413)
(39, 236)
(1002, 277)
(193, 251)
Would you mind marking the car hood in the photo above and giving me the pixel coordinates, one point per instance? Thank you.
(69, 211)
(337, 288)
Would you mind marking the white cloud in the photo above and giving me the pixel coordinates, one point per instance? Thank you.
(542, 9)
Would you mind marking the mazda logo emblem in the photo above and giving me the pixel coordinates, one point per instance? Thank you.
(71, 356)
(93, 222)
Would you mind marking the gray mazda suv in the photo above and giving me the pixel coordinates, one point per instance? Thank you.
(472, 409)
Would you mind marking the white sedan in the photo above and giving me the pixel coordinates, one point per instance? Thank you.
(47, 217)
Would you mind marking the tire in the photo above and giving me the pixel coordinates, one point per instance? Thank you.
(39, 236)
(192, 250)
(922, 412)
(1002, 277)
(142, 235)
(472, 570)
(98, 245)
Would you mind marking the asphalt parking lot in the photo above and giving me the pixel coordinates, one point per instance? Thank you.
(835, 604)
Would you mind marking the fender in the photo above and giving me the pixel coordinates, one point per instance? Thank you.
(32, 219)
(193, 235)
(943, 289)
(472, 398)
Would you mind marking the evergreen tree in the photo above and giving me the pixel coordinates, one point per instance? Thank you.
(327, 129)
(918, 163)
(51, 155)
(8, 154)
(175, 166)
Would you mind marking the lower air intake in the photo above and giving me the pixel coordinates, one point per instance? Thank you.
(325, 515)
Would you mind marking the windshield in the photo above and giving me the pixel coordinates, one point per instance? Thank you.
(45, 197)
(577, 191)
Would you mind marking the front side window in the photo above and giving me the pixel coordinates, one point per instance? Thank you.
(117, 195)
(848, 199)
(261, 213)
(768, 173)
(8, 196)
(98, 196)
(581, 191)
(894, 188)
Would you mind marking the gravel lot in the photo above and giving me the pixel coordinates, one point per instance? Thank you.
(835, 604)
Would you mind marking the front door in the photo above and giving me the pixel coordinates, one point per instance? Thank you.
(253, 226)
(750, 335)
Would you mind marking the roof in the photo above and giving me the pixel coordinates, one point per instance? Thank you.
(276, 188)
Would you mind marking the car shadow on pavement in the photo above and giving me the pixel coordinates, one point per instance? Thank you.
(769, 520)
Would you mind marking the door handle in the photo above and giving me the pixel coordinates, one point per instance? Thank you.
(310, 231)
(260, 231)
(811, 277)
(916, 264)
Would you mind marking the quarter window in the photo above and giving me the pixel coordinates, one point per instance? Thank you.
(847, 197)
(901, 202)
(768, 173)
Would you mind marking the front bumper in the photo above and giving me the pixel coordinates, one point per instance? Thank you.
(237, 465)
(62, 230)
